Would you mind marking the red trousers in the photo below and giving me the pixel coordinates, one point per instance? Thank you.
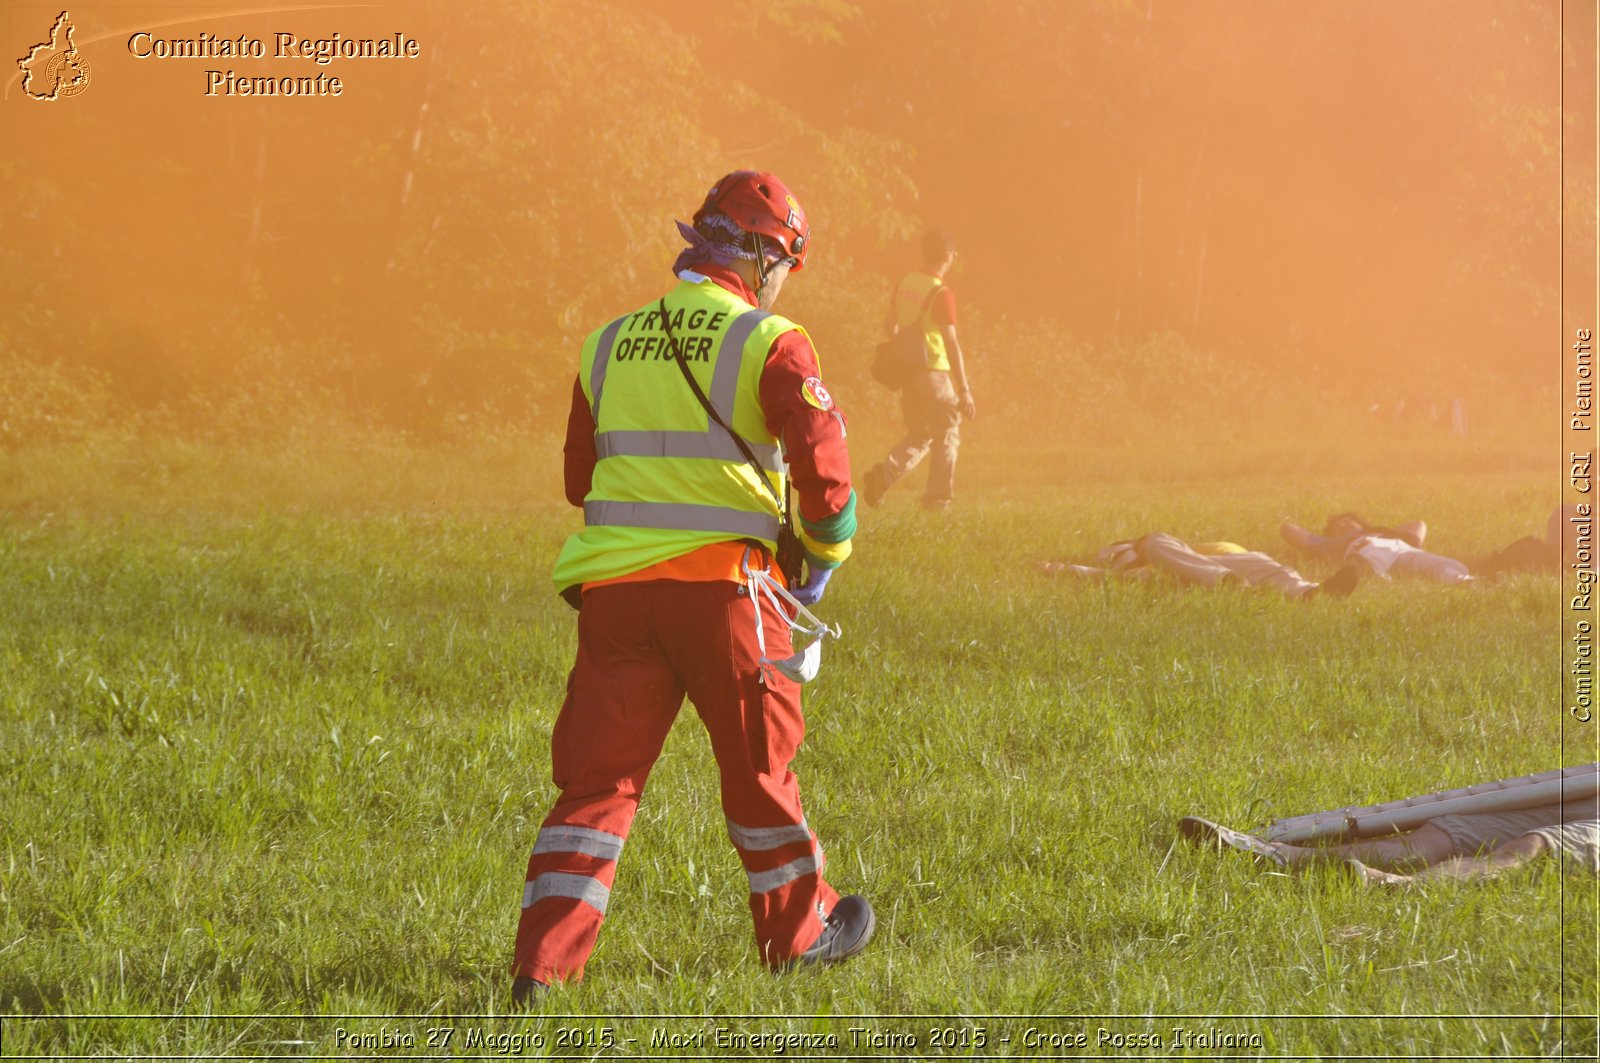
(641, 648)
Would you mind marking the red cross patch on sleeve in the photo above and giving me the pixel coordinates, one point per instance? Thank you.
(814, 393)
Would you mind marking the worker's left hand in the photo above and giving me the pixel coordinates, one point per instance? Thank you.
(809, 593)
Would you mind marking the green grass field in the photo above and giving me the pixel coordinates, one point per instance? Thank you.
(276, 736)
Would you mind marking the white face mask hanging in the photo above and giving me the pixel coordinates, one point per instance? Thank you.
(803, 665)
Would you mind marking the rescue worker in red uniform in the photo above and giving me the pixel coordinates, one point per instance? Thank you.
(676, 517)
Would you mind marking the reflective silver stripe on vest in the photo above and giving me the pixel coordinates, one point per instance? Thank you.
(767, 881)
(713, 444)
(602, 358)
(682, 516)
(585, 840)
(725, 384)
(760, 839)
(560, 884)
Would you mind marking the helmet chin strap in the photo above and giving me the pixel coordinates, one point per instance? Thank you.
(761, 263)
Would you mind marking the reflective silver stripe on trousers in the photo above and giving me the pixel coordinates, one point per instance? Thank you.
(682, 516)
(760, 839)
(585, 840)
(713, 444)
(767, 881)
(560, 884)
(602, 358)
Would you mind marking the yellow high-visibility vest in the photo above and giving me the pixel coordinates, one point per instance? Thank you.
(908, 300)
(668, 479)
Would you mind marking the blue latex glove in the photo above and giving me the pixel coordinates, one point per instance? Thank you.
(809, 593)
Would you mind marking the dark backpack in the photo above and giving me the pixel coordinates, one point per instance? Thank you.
(905, 354)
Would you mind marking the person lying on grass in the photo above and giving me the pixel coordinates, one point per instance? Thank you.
(1462, 847)
(1204, 565)
(1566, 543)
(1349, 537)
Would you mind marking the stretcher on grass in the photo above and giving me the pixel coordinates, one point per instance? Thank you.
(1502, 795)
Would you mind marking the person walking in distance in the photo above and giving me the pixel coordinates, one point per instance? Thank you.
(934, 402)
(681, 522)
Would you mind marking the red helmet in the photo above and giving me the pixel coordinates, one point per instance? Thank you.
(760, 203)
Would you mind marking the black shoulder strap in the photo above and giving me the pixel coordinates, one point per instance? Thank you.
(927, 300)
(711, 411)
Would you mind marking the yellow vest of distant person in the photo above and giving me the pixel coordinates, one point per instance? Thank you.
(908, 300)
(668, 479)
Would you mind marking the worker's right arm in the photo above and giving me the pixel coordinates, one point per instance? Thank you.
(958, 372)
(579, 456)
(944, 317)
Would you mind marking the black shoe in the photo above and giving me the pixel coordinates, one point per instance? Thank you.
(1342, 582)
(524, 991)
(846, 932)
